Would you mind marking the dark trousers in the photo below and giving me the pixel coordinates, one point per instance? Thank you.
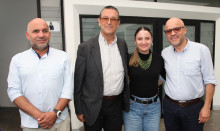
(110, 116)
(178, 118)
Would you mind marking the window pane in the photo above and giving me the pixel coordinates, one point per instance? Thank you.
(90, 28)
(207, 35)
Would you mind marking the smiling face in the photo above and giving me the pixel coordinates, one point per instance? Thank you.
(176, 38)
(108, 28)
(143, 41)
(38, 34)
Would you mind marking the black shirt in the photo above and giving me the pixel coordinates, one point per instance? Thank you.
(144, 83)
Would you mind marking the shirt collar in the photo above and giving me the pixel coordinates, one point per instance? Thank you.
(103, 39)
(185, 48)
(38, 54)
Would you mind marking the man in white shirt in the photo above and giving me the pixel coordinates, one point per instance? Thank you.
(40, 82)
(189, 76)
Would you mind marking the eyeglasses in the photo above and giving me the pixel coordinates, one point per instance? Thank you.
(176, 30)
(112, 20)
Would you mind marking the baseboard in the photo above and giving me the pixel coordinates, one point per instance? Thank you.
(216, 107)
(8, 108)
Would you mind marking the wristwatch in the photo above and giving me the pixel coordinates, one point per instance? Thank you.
(57, 112)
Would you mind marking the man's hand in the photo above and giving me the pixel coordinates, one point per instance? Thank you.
(81, 117)
(204, 115)
(48, 120)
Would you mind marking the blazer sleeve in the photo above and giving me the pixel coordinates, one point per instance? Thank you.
(79, 74)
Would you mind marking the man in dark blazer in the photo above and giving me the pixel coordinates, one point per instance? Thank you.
(101, 77)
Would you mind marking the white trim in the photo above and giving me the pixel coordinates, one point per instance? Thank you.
(216, 107)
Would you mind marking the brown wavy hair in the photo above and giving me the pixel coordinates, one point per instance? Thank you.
(134, 60)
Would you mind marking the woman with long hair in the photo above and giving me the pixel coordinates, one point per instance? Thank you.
(144, 70)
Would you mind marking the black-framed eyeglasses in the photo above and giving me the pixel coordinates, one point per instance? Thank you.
(176, 30)
(112, 20)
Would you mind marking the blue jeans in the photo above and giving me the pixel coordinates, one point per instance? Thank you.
(143, 117)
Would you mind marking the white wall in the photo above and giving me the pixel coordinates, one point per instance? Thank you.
(216, 99)
(14, 18)
(72, 9)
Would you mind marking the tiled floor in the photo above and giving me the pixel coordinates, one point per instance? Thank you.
(10, 121)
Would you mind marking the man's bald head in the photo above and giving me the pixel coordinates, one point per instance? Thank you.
(36, 21)
(175, 32)
(38, 34)
(174, 21)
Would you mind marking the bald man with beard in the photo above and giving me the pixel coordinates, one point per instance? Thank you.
(40, 82)
(189, 77)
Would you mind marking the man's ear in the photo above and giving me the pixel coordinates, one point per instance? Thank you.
(27, 35)
(185, 29)
(99, 20)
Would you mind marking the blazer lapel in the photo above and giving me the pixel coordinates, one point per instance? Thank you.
(122, 52)
(97, 55)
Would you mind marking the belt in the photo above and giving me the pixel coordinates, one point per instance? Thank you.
(145, 102)
(184, 103)
(109, 97)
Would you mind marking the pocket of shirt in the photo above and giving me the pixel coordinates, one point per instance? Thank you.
(191, 67)
(55, 73)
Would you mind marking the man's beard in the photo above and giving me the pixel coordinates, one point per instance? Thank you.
(39, 47)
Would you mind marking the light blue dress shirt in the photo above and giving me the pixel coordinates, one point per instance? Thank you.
(42, 81)
(188, 71)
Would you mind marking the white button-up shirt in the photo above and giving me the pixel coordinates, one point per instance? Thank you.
(188, 71)
(42, 81)
(113, 70)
